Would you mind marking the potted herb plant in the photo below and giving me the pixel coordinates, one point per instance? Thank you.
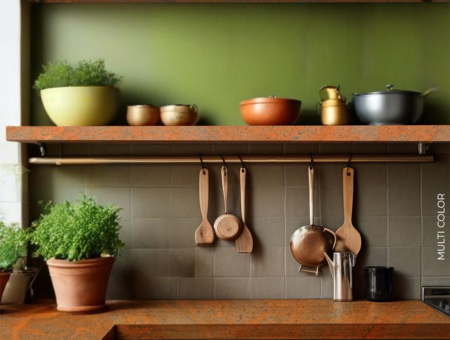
(79, 241)
(82, 94)
(13, 246)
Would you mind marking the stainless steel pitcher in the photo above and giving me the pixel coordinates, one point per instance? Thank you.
(341, 271)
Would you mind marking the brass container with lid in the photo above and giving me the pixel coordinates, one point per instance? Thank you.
(333, 110)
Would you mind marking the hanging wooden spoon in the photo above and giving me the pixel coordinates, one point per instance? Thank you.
(244, 243)
(227, 226)
(204, 235)
(348, 238)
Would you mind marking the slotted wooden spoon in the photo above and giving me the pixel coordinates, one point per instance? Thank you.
(244, 243)
(204, 235)
(348, 238)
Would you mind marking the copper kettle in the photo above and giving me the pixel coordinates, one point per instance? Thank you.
(333, 109)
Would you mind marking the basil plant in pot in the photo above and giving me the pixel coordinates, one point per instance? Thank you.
(82, 94)
(79, 241)
(13, 246)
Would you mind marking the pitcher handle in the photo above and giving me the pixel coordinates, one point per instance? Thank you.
(353, 257)
(334, 235)
(330, 87)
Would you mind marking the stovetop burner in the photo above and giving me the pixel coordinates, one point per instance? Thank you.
(438, 298)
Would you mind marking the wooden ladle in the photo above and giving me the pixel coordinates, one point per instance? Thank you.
(348, 238)
(227, 226)
(204, 235)
(244, 243)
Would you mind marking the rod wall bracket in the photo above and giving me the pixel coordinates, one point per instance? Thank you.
(424, 148)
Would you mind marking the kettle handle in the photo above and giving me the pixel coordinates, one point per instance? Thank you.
(334, 235)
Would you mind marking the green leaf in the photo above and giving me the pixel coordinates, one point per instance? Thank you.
(77, 231)
(84, 73)
(13, 244)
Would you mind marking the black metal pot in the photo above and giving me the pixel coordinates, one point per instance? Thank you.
(391, 107)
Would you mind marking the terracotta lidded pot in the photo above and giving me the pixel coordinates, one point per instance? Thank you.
(270, 111)
(80, 286)
(143, 115)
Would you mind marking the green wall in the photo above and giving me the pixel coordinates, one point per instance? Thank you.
(217, 55)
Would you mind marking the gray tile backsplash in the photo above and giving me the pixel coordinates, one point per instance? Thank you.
(267, 287)
(395, 210)
(404, 201)
(404, 174)
(267, 262)
(406, 261)
(195, 288)
(229, 263)
(232, 288)
(182, 262)
(404, 231)
(305, 287)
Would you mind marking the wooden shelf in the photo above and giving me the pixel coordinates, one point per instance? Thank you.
(218, 1)
(229, 134)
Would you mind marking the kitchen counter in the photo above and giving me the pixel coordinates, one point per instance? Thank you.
(245, 319)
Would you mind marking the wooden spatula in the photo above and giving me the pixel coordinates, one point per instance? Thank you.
(348, 238)
(204, 235)
(244, 243)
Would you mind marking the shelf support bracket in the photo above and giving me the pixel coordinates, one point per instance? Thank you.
(42, 149)
(423, 148)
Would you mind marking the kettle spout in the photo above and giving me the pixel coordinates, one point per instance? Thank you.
(330, 263)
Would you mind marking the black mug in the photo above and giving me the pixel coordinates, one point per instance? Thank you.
(378, 283)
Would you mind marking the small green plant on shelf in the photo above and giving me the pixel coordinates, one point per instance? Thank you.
(77, 231)
(14, 242)
(83, 73)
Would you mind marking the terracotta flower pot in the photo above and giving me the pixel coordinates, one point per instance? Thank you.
(4, 277)
(80, 286)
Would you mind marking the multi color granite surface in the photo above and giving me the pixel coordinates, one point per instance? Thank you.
(220, 134)
(244, 319)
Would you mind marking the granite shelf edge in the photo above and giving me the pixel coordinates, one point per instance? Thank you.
(229, 134)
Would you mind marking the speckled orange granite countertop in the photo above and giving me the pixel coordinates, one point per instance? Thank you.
(228, 319)
(229, 134)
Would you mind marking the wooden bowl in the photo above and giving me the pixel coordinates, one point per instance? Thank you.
(270, 111)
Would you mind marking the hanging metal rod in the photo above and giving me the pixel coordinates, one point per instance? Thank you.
(235, 159)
